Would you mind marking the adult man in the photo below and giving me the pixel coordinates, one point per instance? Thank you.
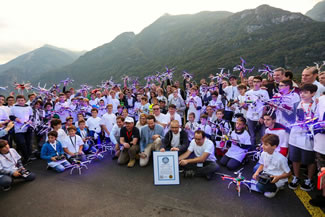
(309, 76)
(204, 162)
(129, 138)
(278, 76)
(160, 118)
(151, 136)
(322, 78)
(175, 139)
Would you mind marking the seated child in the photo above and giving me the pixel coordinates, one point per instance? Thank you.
(274, 164)
(73, 146)
(53, 153)
(11, 166)
(240, 143)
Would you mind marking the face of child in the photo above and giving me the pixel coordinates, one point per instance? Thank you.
(268, 148)
(283, 89)
(257, 84)
(268, 122)
(110, 109)
(94, 114)
(51, 139)
(82, 125)
(80, 117)
(62, 98)
(69, 122)
(143, 120)
(209, 111)
(242, 91)
(239, 125)
(214, 97)
(5, 149)
(306, 95)
(48, 108)
(119, 123)
(191, 118)
(21, 101)
(203, 121)
(143, 102)
(57, 127)
(72, 132)
(219, 115)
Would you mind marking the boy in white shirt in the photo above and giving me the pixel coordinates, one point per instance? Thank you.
(274, 164)
(194, 104)
(191, 126)
(93, 124)
(108, 121)
(301, 145)
(73, 146)
(256, 96)
(115, 135)
(11, 166)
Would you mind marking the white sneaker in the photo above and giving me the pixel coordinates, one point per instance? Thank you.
(271, 194)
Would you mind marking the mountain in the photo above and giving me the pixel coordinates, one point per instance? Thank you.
(202, 43)
(317, 12)
(30, 66)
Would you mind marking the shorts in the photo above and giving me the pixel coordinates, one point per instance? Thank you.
(320, 159)
(300, 155)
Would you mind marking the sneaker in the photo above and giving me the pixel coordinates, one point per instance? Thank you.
(131, 163)
(307, 185)
(189, 173)
(319, 201)
(6, 188)
(271, 194)
(294, 183)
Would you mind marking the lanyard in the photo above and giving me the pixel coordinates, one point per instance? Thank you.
(12, 158)
(129, 135)
(54, 147)
(83, 133)
(75, 143)
(308, 113)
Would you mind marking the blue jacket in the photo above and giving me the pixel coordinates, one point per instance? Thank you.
(48, 151)
(145, 139)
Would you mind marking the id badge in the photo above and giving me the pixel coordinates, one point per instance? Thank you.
(199, 164)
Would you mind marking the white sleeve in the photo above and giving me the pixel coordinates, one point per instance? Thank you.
(261, 161)
(79, 140)
(284, 165)
(191, 146)
(209, 147)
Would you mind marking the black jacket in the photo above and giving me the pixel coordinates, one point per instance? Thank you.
(184, 143)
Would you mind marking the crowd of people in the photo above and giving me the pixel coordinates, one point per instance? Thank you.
(210, 124)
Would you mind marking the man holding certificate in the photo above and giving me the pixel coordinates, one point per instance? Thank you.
(175, 139)
(204, 163)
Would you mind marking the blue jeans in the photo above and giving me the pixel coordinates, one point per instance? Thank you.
(253, 129)
(269, 187)
(61, 167)
(6, 181)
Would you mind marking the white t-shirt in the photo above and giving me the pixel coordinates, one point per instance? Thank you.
(176, 117)
(255, 109)
(275, 164)
(10, 164)
(207, 147)
(320, 89)
(283, 137)
(61, 109)
(289, 101)
(231, 93)
(72, 143)
(298, 135)
(206, 128)
(176, 139)
(108, 120)
(23, 113)
(235, 151)
(194, 101)
(94, 124)
(319, 139)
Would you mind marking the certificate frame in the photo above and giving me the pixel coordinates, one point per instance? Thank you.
(166, 168)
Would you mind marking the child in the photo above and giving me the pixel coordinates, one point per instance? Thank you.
(319, 148)
(239, 106)
(62, 108)
(191, 126)
(11, 166)
(144, 108)
(21, 113)
(240, 143)
(108, 121)
(56, 125)
(53, 153)
(93, 124)
(73, 146)
(277, 129)
(301, 146)
(211, 114)
(274, 164)
(102, 108)
(222, 127)
(194, 104)
(204, 126)
(68, 123)
(83, 132)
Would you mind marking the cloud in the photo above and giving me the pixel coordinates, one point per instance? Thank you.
(11, 50)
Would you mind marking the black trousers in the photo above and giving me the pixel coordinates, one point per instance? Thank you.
(23, 142)
(209, 167)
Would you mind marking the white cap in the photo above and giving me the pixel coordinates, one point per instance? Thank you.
(129, 120)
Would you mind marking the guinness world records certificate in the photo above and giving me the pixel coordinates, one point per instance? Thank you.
(165, 168)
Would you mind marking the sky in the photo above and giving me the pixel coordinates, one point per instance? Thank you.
(86, 24)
